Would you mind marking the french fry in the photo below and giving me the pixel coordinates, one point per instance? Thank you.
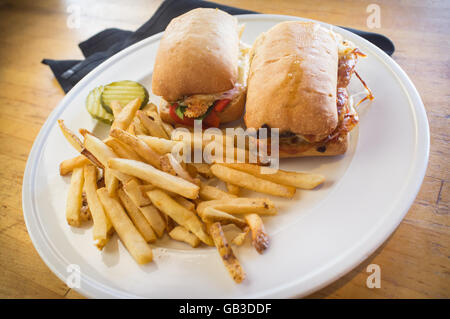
(160, 145)
(251, 182)
(126, 115)
(92, 158)
(168, 128)
(182, 234)
(295, 179)
(70, 136)
(99, 149)
(239, 239)
(226, 253)
(68, 165)
(233, 189)
(136, 216)
(152, 126)
(261, 206)
(128, 234)
(139, 129)
(74, 198)
(156, 177)
(121, 149)
(111, 182)
(141, 200)
(154, 218)
(211, 215)
(184, 202)
(142, 149)
(85, 213)
(208, 192)
(260, 239)
(203, 169)
(179, 214)
(116, 108)
(122, 177)
(102, 225)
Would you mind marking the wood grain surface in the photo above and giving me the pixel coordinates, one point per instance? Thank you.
(414, 261)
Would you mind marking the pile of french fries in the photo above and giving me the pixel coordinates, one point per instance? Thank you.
(130, 184)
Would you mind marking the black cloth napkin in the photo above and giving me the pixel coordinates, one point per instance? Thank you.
(105, 44)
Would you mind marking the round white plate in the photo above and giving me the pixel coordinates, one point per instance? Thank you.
(316, 238)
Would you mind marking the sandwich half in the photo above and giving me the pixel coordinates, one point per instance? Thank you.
(201, 69)
(299, 73)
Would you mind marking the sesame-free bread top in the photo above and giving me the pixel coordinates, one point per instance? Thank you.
(198, 54)
(292, 80)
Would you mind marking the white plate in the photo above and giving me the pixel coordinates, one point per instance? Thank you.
(316, 238)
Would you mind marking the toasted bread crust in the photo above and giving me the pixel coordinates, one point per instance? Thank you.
(332, 149)
(198, 54)
(292, 80)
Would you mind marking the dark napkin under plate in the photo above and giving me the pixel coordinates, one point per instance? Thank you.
(110, 41)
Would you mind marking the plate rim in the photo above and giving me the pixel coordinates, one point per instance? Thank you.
(96, 289)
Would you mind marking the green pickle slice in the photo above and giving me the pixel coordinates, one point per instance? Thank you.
(95, 108)
(123, 92)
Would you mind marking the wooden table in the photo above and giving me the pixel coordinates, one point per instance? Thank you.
(414, 261)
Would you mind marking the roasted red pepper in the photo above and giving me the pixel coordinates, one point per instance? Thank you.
(186, 121)
(221, 104)
(212, 120)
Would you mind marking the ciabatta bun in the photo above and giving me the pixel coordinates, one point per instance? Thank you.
(292, 80)
(332, 148)
(198, 54)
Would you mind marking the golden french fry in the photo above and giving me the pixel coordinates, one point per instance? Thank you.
(124, 227)
(99, 149)
(182, 234)
(226, 253)
(116, 108)
(184, 202)
(208, 192)
(179, 214)
(70, 136)
(142, 149)
(295, 179)
(111, 182)
(136, 216)
(260, 239)
(147, 187)
(239, 239)
(126, 115)
(121, 149)
(154, 218)
(102, 225)
(156, 177)
(233, 189)
(141, 200)
(74, 198)
(139, 129)
(68, 165)
(122, 177)
(160, 145)
(92, 158)
(251, 182)
(261, 206)
(203, 169)
(211, 215)
(152, 126)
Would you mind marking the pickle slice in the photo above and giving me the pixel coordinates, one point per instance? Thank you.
(94, 106)
(123, 92)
